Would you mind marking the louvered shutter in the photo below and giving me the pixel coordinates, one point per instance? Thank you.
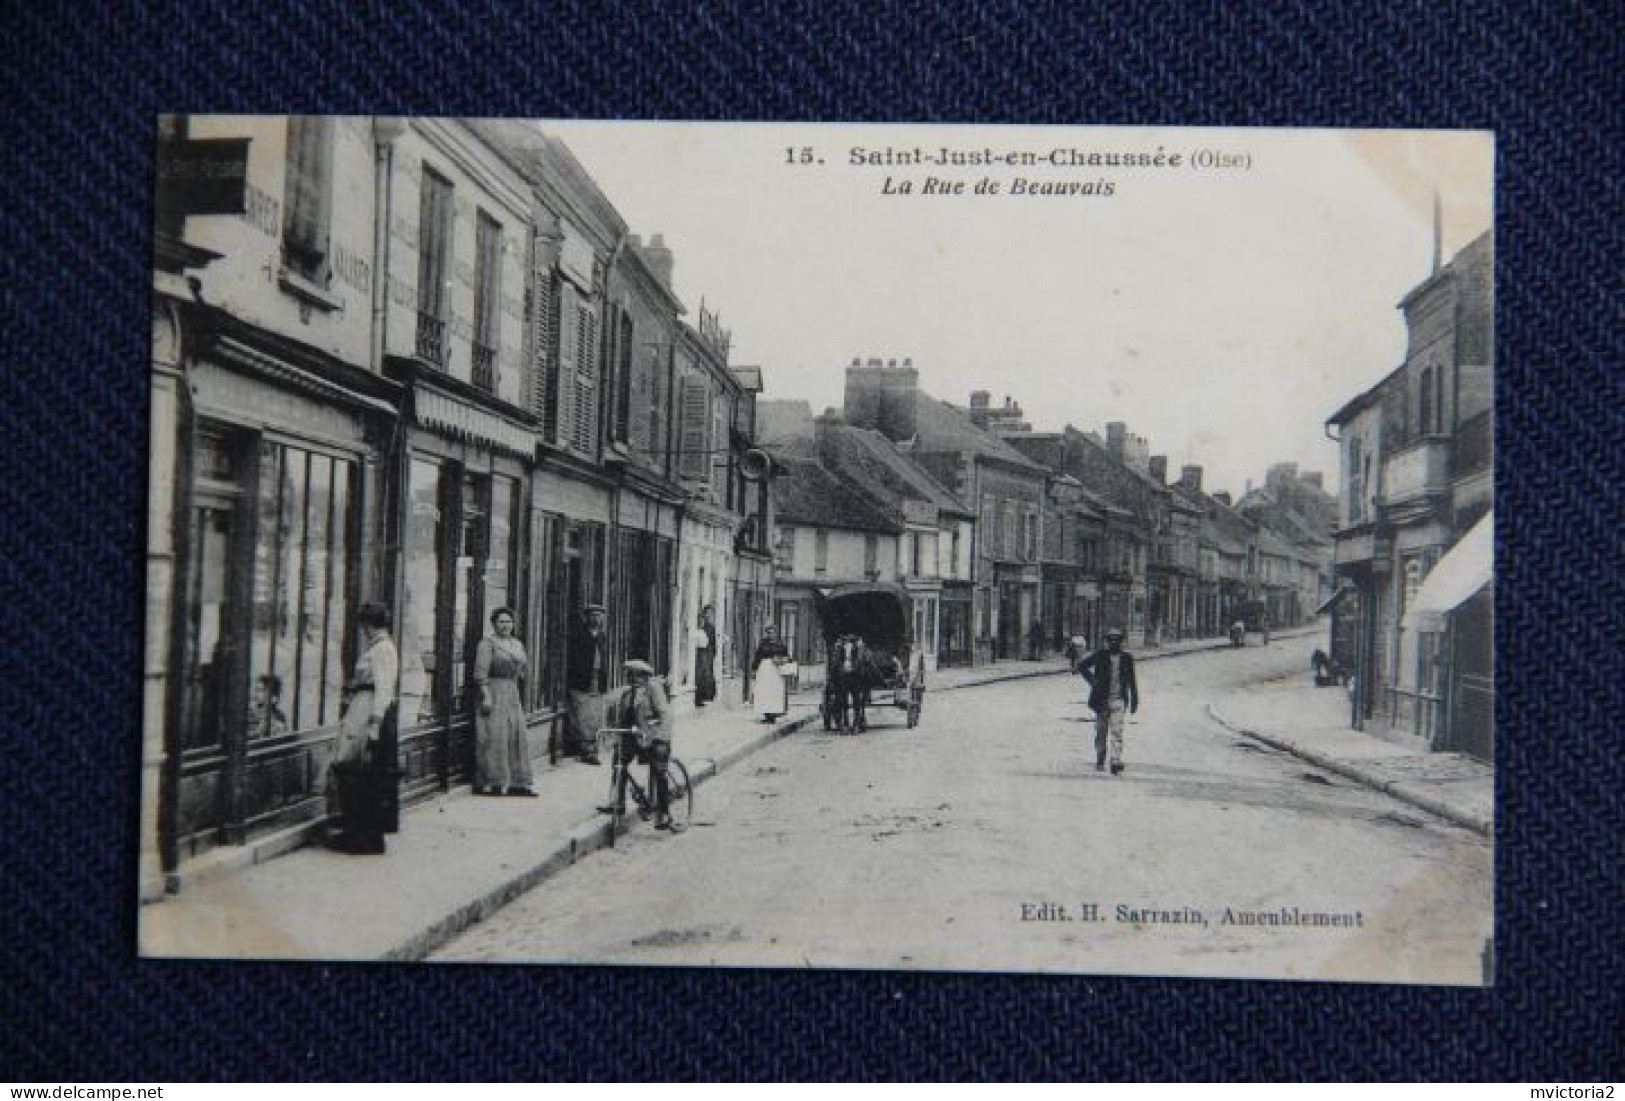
(545, 351)
(587, 353)
(569, 322)
(694, 418)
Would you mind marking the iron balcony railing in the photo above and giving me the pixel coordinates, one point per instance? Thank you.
(432, 339)
(485, 368)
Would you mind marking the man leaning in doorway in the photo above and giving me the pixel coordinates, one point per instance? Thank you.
(588, 680)
(1113, 693)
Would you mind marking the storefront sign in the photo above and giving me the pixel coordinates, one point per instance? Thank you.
(203, 176)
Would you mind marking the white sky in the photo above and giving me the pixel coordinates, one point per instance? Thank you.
(1222, 313)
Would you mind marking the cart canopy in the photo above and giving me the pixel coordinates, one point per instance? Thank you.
(876, 611)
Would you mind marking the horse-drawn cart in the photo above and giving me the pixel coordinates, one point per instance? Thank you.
(886, 670)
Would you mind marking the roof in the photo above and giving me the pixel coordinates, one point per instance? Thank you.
(809, 495)
(941, 426)
(867, 456)
(785, 425)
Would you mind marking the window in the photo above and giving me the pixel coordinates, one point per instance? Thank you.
(1356, 473)
(1029, 536)
(434, 256)
(487, 296)
(871, 556)
(989, 526)
(1424, 404)
(301, 587)
(909, 554)
(785, 550)
(821, 551)
(307, 208)
(624, 338)
(1007, 542)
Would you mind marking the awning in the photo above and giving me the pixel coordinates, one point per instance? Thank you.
(1335, 599)
(1466, 568)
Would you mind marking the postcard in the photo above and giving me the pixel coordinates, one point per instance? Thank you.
(884, 546)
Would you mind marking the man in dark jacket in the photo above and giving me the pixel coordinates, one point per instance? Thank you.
(1113, 693)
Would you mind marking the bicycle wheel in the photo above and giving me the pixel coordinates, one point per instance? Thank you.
(679, 792)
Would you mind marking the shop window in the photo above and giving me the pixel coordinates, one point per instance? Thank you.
(307, 514)
(421, 552)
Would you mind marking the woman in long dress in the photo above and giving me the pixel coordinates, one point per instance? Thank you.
(502, 751)
(367, 719)
(769, 690)
(705, 660)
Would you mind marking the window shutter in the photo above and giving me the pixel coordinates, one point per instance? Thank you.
(569, 322)
(693, 416)
(586, 397)
(544, 360)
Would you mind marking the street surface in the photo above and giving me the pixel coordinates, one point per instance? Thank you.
(980, 841)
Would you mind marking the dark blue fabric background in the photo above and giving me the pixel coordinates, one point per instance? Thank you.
(83, 89)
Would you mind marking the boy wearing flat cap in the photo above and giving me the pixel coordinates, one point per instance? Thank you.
(642, 705)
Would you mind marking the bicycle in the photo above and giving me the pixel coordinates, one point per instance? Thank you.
(679, 788)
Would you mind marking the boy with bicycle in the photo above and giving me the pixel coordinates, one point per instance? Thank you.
(643, 714)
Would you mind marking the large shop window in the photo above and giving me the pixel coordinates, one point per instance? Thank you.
(460, 565)
(307, 518)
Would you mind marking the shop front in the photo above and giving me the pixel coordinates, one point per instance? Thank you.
(462, 488)
(275, 525)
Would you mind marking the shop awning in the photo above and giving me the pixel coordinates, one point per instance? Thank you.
(1335, 599)
(1466, 568)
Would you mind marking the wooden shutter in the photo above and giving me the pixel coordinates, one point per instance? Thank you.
(569, 320)
(693, 416)
(586, 375)
(544, 392)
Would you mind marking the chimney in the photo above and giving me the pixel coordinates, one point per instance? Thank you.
(1158, 466)
(980, 407)
(882, 398)
(1223, 497)
(825, 426)
(1115, 432)
(1191, 478)
(658, 258)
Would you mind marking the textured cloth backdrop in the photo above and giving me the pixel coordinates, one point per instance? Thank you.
(83, 90)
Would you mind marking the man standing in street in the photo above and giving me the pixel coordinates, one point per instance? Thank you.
(588, 681)
(1113, 693)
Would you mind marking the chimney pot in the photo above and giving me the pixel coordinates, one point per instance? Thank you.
(1158, 467)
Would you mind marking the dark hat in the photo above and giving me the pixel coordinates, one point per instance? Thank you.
(636, 666)
(593, 608)
(1115, 632)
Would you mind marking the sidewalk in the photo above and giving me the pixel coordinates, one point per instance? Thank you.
(458, 858)
(1312, 723)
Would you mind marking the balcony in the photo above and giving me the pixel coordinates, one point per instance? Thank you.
(1357, 547)
(431, 345)
(1418, 474)
(485, 368)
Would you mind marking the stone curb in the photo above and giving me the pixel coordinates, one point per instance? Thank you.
(580, 841)
(1398, 789)
(593, 834)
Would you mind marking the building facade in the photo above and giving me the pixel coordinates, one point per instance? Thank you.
(1417, 481)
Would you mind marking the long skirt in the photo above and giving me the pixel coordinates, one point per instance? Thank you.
(586, 716)
(502, 751)
(770, 692)
(705, 675)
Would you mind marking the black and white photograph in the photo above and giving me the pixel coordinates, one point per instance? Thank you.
(875, 546)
